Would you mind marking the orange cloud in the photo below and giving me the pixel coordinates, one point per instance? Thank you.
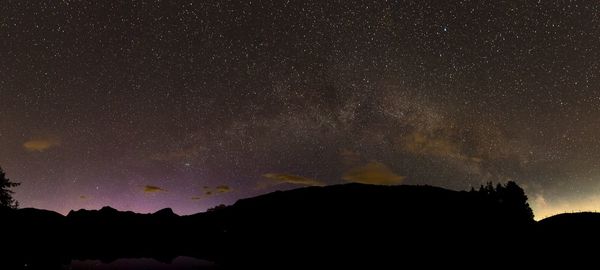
(40, 145)
(209, 191)
(281, 178)
(223, 189)
(373, 173)
(153, 189)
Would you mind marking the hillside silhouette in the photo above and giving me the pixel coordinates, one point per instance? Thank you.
(340, 225)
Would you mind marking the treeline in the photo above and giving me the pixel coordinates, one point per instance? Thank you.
(509, 199)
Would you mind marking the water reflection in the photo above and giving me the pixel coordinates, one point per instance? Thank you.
(180, 263)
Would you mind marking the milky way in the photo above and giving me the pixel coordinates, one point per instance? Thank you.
(143, 105)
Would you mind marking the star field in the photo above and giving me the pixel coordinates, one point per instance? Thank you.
(143, 105)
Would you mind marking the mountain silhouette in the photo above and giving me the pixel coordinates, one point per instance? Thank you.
(341, 225)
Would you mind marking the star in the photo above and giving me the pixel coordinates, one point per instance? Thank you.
(317, 91)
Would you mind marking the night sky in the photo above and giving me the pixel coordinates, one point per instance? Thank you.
(142, 105)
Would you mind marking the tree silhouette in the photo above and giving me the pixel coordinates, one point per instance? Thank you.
(6, 199)
(509, 198)
(516, 201)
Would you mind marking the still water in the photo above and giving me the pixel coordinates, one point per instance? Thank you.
(179, 263)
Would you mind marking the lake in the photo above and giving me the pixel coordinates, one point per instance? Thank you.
(179, 263)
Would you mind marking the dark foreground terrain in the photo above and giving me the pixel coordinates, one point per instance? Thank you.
(344, 225)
